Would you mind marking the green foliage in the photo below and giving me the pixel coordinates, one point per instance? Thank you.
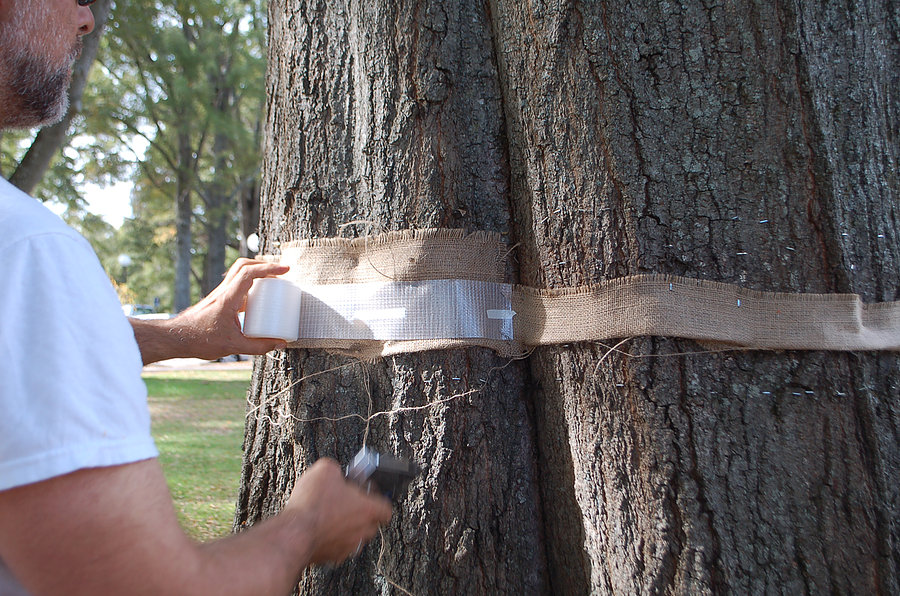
(61, 184)
(173, 104)
(13, 144)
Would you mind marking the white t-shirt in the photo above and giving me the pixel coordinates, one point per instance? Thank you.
(71, 393)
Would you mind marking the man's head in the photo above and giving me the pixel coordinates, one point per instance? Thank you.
(39, 42)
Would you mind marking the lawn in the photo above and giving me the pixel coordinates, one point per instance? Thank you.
(198, 425)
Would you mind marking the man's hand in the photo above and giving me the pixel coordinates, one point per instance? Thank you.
(113, 530)
(213, 322)
(211, 328)
(339, 515)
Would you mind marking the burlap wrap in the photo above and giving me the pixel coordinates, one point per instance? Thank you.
(660, 305)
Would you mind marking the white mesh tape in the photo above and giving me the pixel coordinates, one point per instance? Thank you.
(433, 309)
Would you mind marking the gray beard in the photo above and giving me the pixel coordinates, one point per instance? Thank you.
(41, 90)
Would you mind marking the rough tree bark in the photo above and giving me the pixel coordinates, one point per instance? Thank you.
(753, 143)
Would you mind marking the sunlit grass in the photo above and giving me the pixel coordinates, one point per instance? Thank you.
(198, 424)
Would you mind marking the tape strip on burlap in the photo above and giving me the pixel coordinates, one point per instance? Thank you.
(638, 305)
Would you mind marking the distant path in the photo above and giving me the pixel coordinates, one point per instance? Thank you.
(198, 364)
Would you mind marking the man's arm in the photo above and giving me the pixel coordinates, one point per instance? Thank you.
(113, 531)
(210, 329)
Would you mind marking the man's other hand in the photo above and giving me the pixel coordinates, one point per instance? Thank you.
(339, 515)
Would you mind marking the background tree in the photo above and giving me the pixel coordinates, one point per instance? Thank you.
(158, 55)
(174, 106)
(182, 83)
(750, 143)
(26, 167)
(236, 82)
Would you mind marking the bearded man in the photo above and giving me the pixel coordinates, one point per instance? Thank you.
(84, 507)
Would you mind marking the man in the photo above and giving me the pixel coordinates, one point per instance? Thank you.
(84, 507)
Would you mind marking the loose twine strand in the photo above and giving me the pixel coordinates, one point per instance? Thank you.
(370, 224)
(379, 229)
(285, 416)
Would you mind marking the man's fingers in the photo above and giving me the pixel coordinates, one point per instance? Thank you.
(384, 510)
(240, 277)
(380, 509)
(235, 267)
(253, 268)
(327, 466)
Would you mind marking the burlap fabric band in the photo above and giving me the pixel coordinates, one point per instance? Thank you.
(638, 305)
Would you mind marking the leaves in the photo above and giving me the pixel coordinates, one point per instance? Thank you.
(173, 104)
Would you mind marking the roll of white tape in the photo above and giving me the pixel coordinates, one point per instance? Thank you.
(273, 309)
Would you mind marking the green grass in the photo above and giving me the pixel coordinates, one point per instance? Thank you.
(198, 424)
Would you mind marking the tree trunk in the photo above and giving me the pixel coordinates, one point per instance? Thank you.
(184, 214)
(51, 138)
(219, 203)
(249, 216)
(249, 201)
(752, 144)
(217, 241)
(393, 146)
